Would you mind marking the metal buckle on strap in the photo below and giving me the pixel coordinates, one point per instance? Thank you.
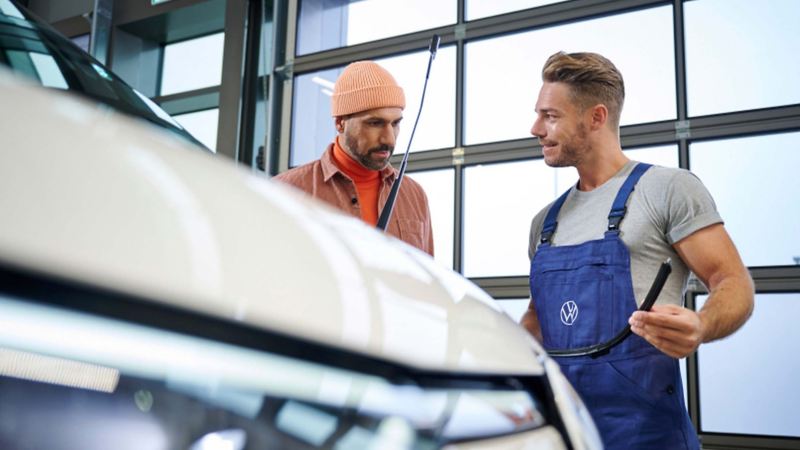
(615, 218)
(546, 235)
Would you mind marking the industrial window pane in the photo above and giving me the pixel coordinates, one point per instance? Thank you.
(499, 202)
(192, 64)
(202, 125)
(439, 187)
(747, 381)
(741, 54)
(514, 307)
(485, 8)
(761, 212)
(326, 24)
(664, 155)
(503, 75)
(312, 124)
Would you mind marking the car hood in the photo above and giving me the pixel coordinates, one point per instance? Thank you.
(90, 195)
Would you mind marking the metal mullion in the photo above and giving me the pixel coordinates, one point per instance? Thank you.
(458, 224)
(274, 96)
(683, 154)
(680, 59)
(655, 133)
(746, 442)
(761, 121)
(249, 92)
(693, 375)
(283, 75)
(458, 219)
(186, 94)
(681, 94)
(504, 287)
(777, 274)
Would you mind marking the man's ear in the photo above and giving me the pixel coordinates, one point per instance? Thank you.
(339, 123)
(599, 116)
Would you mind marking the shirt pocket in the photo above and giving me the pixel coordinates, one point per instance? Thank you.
(411, 231)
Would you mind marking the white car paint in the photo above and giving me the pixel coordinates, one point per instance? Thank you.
(90, 195)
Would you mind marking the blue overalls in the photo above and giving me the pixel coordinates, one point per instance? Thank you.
(583, 295)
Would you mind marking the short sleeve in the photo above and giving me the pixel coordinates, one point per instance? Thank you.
(690, 206)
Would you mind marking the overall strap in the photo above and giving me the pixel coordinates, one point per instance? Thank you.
(618, 208)
(550, 222)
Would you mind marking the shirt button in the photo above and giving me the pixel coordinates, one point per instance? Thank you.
(670, 389)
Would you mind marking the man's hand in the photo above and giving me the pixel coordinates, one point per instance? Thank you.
(672, 329)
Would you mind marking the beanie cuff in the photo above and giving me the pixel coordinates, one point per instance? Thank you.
(373, 97)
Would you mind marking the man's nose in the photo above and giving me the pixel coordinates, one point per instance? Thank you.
(537, 129)
(388, 135)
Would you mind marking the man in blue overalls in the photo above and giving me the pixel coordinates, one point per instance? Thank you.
(595, 251)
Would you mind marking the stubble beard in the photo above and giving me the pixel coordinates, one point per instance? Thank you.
(351, 147)
(573, 151)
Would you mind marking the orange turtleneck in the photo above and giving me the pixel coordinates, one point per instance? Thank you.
(367, 182)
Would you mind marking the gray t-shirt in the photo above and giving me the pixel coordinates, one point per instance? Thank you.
(666, 206)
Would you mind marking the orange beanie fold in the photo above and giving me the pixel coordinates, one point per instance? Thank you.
(365, 85)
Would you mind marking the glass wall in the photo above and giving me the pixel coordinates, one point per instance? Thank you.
(192, 64)
(188, 66)
(328, 24)
(499, 104)
(754, 41)
(440, 188)
(477, 9)
(747, 381)
(710, 87)
(761, 213)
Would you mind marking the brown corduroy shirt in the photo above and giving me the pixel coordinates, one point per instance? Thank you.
(411, 218)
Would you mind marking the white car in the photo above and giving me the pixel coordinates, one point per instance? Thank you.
(153, 296)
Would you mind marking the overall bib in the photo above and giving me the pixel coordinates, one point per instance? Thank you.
(583, 295)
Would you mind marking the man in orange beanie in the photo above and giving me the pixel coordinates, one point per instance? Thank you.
(354, 173)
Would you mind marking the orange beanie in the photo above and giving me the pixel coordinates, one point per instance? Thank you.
(364, 85)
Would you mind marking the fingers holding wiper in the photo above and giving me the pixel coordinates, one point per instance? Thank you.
(674, 330)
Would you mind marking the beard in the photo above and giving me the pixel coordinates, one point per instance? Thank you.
(365, 158)
(572, 151)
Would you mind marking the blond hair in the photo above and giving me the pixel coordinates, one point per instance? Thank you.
(592, 79)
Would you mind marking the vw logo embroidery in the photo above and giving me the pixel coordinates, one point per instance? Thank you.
(569, 312)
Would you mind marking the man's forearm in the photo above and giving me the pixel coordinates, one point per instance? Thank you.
(728, 307)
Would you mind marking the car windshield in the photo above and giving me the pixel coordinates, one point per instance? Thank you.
(37, 51)
(73, 355)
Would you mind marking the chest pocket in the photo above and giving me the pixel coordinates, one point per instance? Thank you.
(411, 231)
(576, 301)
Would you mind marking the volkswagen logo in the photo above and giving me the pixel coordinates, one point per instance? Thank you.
(569, 312)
